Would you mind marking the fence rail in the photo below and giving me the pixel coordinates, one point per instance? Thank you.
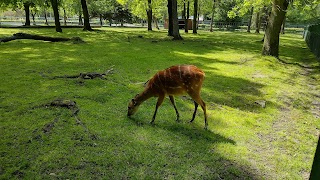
(312, 37)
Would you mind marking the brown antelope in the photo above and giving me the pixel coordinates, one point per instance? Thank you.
(175, 80)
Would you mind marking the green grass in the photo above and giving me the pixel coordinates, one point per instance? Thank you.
(244, 140)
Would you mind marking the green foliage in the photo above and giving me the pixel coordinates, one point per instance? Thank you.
(244, 140)
(300, 11)
(139, 7)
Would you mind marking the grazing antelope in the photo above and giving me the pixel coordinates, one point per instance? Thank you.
(175, 80)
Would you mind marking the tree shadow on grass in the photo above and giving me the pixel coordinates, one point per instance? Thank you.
(195, 152)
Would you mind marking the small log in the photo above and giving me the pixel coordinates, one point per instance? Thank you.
(90, 75)
(38, 37)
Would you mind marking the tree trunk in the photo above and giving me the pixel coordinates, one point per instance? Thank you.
(27, 12)
(46, 18)
(56, 15)
(101, 19)
(155, 19)
(80, 20)
(175, 31)
(87, 26)
(271, 40)
(195, 14)
(258, 22)
(283, 25)
(110, 22)
(188, 15)
(170, 19)
(33, 18)
(198, 16)
(149, 14)
(64, 16)
(250, 19)
(185, 17)
(212, 15)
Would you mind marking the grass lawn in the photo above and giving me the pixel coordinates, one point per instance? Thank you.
(244, 140)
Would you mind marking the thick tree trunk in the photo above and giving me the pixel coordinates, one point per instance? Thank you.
(250, 19)
(27, 13)
(54, 4)
(87, 26)
(212, 15)
(175, 30)
(258, 22)
(195, 14)
(271, 40)
(170, 19)
(149, 14)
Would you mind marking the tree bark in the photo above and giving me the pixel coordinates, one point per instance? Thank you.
(250, 19)
(101, 20)
(155, 20)
(271, 40)
(33, 18)
(54, 4)
(195, 14)
(149, 14)
(188, 15)
(283, 25)
(27, 12)
(80, 19)
(212, 15)
(185, 17)
(258, 22)
(46, 18)
(175, 30)
(64, 16)
(170, 19)
(86, 26)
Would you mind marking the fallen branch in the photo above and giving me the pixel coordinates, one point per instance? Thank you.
(72, 105)
(38, 37)
(90, 75)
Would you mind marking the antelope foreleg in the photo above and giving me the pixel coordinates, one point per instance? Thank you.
(159, 102)
(175, 107)
(195, 110)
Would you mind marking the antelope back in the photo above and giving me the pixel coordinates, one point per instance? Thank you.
(177, 80)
